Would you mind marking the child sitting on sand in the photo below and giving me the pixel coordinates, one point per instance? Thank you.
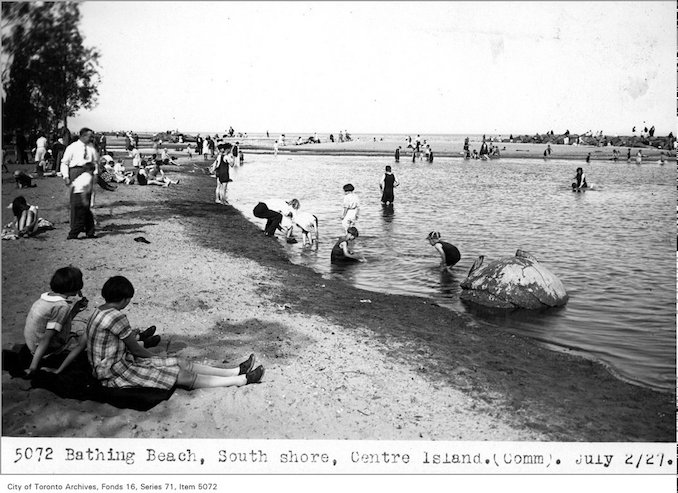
(449, 254)
(119, 361)
(48, 324)
(156, 174)
(341, 252)
(25, 216)
(349, 217)
(23, 179)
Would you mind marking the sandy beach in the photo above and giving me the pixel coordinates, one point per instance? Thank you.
(336, 367)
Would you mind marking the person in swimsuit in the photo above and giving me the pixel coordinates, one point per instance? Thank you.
(579, 181)
(449, 253)
(220, 168)
(341, 252)
(388, 182)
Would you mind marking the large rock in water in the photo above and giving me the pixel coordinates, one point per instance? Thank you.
(513, 282)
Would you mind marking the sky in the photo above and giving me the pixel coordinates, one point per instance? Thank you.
(383, 67)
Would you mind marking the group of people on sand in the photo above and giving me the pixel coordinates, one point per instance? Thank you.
(81, 168)
(118, 355)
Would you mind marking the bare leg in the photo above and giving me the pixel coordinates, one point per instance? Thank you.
(218, 372)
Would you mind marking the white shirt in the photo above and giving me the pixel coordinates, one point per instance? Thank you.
(83, 183)
(305, 220)
(136, 157)
(77, 154)
(279, 206)
(41, 143)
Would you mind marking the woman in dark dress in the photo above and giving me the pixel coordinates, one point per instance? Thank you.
(388, 183)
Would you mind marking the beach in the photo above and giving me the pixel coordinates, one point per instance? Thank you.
(341, 363)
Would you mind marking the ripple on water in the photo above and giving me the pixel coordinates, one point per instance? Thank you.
(613, 248)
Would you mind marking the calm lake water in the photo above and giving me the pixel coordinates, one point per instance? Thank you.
(613, 248)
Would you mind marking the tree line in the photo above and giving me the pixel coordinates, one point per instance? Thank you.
(48, 74)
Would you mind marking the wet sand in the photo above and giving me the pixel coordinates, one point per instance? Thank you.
(336, 367)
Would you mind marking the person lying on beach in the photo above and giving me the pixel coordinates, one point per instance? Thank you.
(275, 212)
(349, 216)
(118, 361)
(48, 324)
(579, 180)
(25, 216)
(23, 179)
(341, 251)
(158, 175)
(308, 224)
(449, 254)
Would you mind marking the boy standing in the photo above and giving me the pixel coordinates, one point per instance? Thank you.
(82, 198)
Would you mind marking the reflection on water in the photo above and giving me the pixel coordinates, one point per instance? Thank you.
(613, 247)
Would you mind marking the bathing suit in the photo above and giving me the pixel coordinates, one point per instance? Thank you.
(387, 194)
(452, 255)
(337, 256)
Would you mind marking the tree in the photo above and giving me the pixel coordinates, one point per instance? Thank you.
(48, 74)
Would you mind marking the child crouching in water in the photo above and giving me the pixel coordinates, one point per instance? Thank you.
(119, 361)
(449, 254)
(341, 252)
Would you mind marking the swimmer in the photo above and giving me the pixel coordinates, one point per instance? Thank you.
(449, 254)
(579, 181)
(341, 252)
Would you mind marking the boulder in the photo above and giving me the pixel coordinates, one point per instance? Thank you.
(513, 282)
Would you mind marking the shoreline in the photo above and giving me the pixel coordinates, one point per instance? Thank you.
(351, 369)
(441, 149)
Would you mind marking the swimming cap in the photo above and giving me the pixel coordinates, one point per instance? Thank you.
(433, 235)
(352, 231)
(348, 188)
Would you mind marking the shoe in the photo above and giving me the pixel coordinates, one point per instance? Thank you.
(151, 341)
(72, 237)
(147, 333)
(247, 365)
(91, 236)
(255, 375)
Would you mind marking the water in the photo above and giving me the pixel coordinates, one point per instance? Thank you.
(613, 248)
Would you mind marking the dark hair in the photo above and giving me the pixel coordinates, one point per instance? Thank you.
(388, 168)
(84, 130)
(19, 205)
(348, 187)
(352, 231)
(66, 280)
(116, 289)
